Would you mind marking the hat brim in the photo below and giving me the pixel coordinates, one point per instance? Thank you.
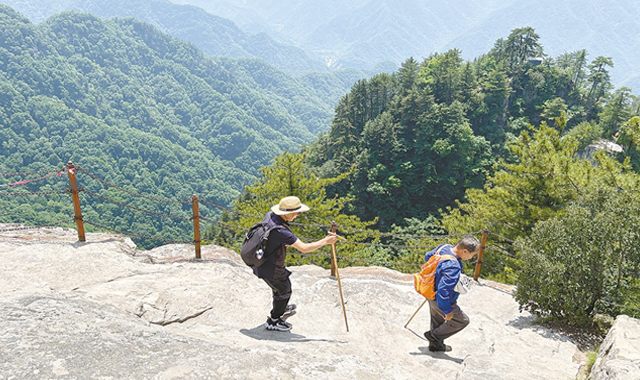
(276, 209)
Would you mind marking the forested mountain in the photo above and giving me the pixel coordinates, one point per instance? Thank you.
(222, 38)
(361, 32)
(142, 109)
(418, 139)
(446, 147)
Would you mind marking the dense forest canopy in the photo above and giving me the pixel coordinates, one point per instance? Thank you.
(434, 129)
(447, 146)
(142, 110)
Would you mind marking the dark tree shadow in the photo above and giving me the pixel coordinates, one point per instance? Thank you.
(522, 322)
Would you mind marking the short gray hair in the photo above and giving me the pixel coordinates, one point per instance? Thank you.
(470, 243)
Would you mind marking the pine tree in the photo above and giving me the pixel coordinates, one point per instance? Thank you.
(288, 176)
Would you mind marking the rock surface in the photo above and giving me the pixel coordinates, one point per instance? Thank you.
(102, 310)
(619, 356)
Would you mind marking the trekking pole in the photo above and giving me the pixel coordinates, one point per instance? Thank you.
(414, 314)
(334, 259)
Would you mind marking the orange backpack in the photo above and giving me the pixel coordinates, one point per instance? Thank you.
(424, 282)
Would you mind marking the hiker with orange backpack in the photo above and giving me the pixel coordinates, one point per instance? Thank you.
(447, 318)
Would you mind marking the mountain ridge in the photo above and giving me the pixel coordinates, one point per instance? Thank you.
(214, 35)
(600, 26)
(142, 109)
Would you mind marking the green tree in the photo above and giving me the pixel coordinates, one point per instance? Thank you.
(584, 260)
(521, 45)
(554, 109)
(599, 82)
(629, 138)
(574, 64)
(616, 112)
(288, 176)
(537, 186)
(407, 76)
(442, 74)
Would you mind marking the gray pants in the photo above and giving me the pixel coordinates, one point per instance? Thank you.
(440, 329)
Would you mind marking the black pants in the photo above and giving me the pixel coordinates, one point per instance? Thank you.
(281, 290)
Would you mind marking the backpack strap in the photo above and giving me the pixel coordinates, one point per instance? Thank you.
(265, 237)
(445, 257)
(440, 249)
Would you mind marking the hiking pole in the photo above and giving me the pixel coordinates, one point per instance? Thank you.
(335, 260)
(414, 314)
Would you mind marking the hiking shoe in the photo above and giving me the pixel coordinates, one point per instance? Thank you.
(288, 312)
(439, 347)
(430, 338)
(278, 324)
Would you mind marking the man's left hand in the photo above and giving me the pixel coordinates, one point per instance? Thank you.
(448, 317)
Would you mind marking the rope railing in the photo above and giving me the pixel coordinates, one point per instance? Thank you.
(24, 182)
(128, 191)
(74, 190)
(223, 224)
(170, 241)
(21, 193)
(25, 228)
(228, 209)
(132, 207)
(31, 173)
(502, 237)
(78, 218)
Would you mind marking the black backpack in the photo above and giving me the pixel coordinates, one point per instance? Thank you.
(255, 243)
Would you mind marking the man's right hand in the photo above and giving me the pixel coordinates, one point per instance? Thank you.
(330, 238)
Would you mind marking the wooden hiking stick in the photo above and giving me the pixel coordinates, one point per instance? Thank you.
(414, 314)
(335, 260)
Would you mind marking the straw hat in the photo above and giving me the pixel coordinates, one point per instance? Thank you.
(289, 205)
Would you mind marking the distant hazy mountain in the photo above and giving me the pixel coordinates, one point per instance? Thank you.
(355, 33)
(603, 27)
(212, 34)
(359, 33)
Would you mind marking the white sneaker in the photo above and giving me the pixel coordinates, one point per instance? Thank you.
(278, 324)
(289, 311)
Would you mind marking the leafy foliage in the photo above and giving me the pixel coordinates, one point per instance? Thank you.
(432, 130)
(142, 110)
(287, 176)
(585, 260)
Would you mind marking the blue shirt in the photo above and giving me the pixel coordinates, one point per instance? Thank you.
(447, 276)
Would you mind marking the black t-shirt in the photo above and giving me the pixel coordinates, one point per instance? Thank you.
(279, 236)
(273, 266)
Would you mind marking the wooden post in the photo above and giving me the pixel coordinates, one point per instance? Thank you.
(476, 274)
(196, 224)
(334, 265)
(73, 183)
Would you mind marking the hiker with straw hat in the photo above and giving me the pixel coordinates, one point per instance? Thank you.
(273, 271)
